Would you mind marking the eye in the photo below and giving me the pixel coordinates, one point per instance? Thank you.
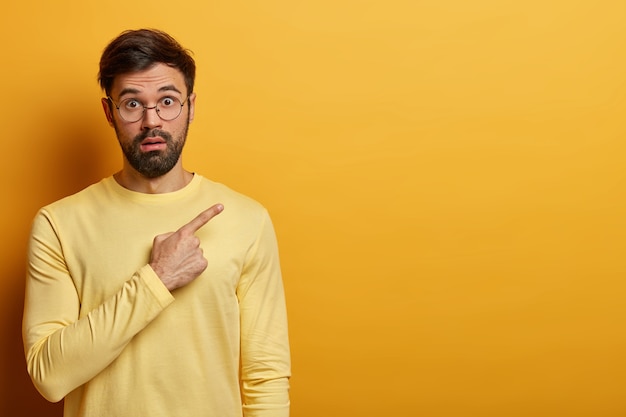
(132, 104)
(167, 102)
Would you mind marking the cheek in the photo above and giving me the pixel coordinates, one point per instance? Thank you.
(123, 132)
(179, 130)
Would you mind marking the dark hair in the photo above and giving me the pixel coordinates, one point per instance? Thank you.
(138, 50)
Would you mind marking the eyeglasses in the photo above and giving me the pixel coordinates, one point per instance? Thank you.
(132, 110)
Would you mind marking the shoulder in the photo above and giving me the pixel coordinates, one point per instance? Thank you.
(85, 197)
(229, 197)
(242, 214)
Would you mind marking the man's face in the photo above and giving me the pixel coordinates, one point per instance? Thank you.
(151, 146)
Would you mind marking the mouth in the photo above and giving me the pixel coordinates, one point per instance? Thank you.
(154, 143)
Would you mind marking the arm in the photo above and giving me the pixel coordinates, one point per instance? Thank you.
(265, 357)
(62, 350)
(65, 347)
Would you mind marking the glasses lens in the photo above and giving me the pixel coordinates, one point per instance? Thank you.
(169, 108)
(131, 110)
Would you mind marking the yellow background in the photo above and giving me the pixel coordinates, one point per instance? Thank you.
(446, 180)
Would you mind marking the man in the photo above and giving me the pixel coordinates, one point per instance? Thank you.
(155, 292)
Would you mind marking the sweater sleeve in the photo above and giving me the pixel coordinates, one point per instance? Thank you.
(265, 357)
(62, 350)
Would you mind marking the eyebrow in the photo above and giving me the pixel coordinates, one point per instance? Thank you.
(130, 90)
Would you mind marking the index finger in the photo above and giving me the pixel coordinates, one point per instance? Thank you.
(202, 219)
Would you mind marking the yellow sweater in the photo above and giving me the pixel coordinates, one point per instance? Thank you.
(101, 330)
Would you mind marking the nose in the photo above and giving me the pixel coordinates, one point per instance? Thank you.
(150, 118)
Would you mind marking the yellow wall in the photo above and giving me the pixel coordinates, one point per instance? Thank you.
(446, 178)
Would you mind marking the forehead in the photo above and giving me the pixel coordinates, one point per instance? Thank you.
(157, 78)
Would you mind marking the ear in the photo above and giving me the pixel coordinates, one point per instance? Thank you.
(106, 106)
(192, 106)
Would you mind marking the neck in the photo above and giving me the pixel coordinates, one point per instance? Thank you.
(174, 180)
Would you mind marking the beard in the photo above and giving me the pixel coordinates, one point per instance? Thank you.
(154, 164)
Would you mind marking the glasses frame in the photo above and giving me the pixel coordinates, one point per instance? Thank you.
(143, 112)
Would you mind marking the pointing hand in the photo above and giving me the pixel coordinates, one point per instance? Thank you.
(176, 256)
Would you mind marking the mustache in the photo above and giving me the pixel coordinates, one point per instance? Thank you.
(152, 133)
